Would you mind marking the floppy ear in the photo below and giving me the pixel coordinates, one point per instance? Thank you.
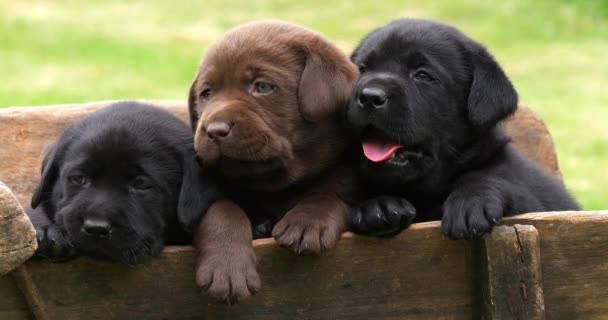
(326, 84)
(50, 172)
(192, 106)
(198, 191)
(492, 96)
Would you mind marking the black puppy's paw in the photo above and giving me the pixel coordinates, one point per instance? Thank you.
(382, 216)
(469, 217)
(54, 244)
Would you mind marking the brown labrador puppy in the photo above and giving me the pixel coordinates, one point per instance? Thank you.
(265, 106)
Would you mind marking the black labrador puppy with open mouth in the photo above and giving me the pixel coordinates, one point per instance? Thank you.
(119, 184)
(426, 109)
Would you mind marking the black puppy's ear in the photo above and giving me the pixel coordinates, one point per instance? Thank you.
(492, 96)
(327, 82)
(192, 106)
(50, 173)
(198, 191)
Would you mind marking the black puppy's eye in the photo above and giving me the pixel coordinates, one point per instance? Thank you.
(362, 68)
(140, 183)
(206, 93)
(423, 76)
(262, 87)
(78, 180)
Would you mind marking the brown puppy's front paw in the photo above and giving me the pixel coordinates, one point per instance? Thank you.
(230, 276)
(305, 234)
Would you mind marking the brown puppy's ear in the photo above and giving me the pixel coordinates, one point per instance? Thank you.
(492, 96)
(192, 95)
(326, 85)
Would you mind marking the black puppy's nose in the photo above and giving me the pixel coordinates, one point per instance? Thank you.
(218, 130)
(372, 97)
(96, 227)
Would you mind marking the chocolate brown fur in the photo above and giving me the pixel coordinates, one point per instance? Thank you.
(280, 153)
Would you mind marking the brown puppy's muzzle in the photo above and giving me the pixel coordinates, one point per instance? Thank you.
(230, 134)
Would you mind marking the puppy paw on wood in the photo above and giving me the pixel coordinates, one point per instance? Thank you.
(309, 231)
(471, 216)
(229, 276)
(226, 268)
(382, 216)
(54, 244)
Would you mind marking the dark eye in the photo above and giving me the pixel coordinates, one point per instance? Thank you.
(262, 87)
(140, 184)
(362, 68)
(423, 76)
(78, 180)
(206, 93)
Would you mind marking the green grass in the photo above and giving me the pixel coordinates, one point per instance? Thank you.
(75, 51)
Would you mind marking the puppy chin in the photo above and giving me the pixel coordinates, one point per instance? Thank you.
(396, 171)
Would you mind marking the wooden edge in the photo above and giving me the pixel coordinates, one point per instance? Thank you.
(527, 218)
(512, 283)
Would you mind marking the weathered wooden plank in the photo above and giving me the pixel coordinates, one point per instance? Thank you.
(574, 262)
(27, 131)
(512, 284)
(17, 235)
(417, 275)
(364, 279)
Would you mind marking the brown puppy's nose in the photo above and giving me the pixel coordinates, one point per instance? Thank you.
(218, 130)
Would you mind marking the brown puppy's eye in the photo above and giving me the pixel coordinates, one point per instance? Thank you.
(78, 179)
(206, 93)
(423, 76)
(262, 87)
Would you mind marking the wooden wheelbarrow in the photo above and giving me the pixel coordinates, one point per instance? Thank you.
(532, 266)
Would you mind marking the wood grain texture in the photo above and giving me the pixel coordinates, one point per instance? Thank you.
(17, 235)
(512, 282)
(27, 132)
(416, 275)
(574, 262)
(357, 281)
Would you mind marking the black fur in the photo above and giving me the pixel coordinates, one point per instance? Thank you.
(128, 170)
(441, 96)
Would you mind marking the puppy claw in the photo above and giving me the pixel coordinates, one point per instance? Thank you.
(308, 237)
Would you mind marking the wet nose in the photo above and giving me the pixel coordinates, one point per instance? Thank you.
(96, 227)
(372, 98)
(218, 130)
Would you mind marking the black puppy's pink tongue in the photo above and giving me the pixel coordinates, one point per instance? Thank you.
(378, 151)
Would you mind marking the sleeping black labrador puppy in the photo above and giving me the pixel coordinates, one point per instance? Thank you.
(119, 184)
(426, 110)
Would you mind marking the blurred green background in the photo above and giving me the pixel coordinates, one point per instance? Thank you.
(556, 53)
